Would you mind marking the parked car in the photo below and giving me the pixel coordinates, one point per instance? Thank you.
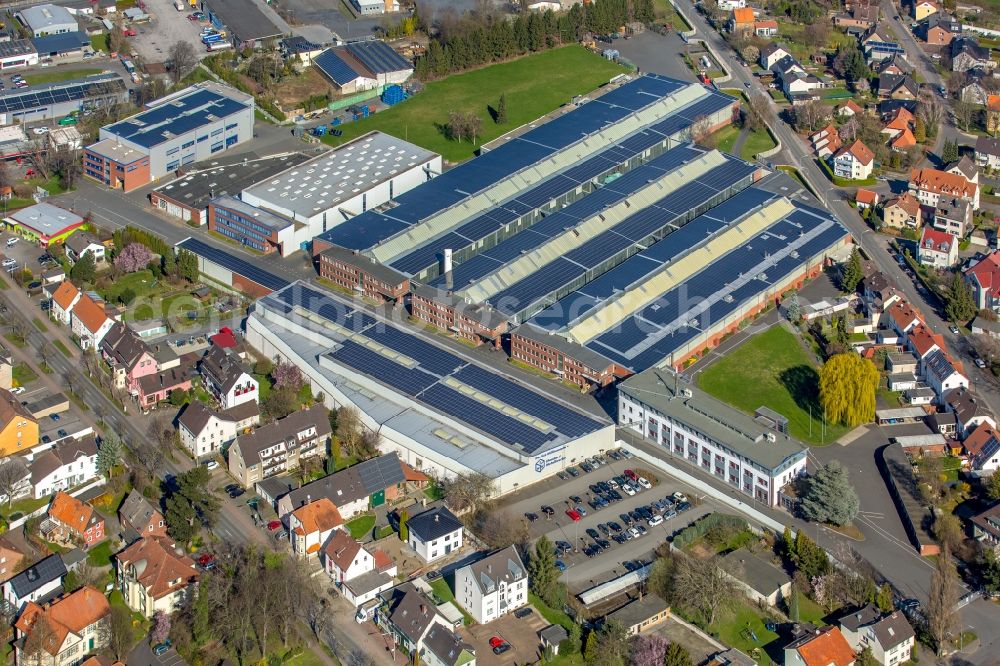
(532, 517)
(680, 497)
(644, 482)
(560, 565)
(573, 471)
(580, 510)
(521, 613)
(573, 515)
(162, 648)
(630, 474)
(655, 520)
(592, 533)
(273, 525)
(211, 464)
(614, 527)
(548, 510)
(626, 519)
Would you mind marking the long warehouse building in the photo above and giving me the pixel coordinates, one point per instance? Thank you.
(680, 296)
(442, 412)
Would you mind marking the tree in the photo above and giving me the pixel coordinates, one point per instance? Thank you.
(849, 63)
(866, 658)
(147, 456)
(84, 270)
(993, 487)
(120, 633)
(852, 273)
(280, 403)
(793, 605)
(181, 59)
(349, 427)
(931, 110)
(499, 529)
(940, 610)
(949, 151)
(502, 110)
(161, 627)
(133, 257)
(829, 496)
(793, 309)
(13, 473)
(542, 573)
(701, 585)
(38, 640)
(920, 130)
(590, 647)
(847, 385)
(884, 599)
(677, 655)
(948, 530)
(468, 491)
(809, 558)
(191, 504)
(612, 644)
(287, 375)
(648, 650)
(178, 397)
(45, 354)
(109, 453)
(187, 265)
(404, 532)
(959, 305)
(965, 113)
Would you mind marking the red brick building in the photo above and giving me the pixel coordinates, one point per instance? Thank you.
(358, 273)
(568, 360)
(116, 165)
(475, 322)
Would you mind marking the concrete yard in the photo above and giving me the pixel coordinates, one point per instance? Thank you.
(167, 27)
(653, 52)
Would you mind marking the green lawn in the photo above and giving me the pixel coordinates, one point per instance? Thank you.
(810, 611)
(141, 283)
(757, 142)
(725, 138)
(62, 347)
(100, 555)
(25, 506)
(362, 526)
(784, 377)
(665, 12)
(56, 75)
(444, 593)
(732, 629)
(23, 374)
(100, 42)
(551, 615)
(534, 85)
(305, 658)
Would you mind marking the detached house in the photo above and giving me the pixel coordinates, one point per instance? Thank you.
(940, 30)
(984, 279)
(924, 8)
(819, 647)
(407, 615)
(39, 581)
(771, 53)
(967, 54)
(889, 637)
(64, 299)
(493, 586)
(825, 141)
(897, 87)
(71, 463)
(310, 526)
(154, 574)
(969, 410)
(89, 322)
(227, 378)
(69, 517)
(953, 216)
(18, 428)
(988, 150)
(986, 528)
(982, 449)
(205, 432)
(902, 212)
(929, 185)
(81, 243)
(11, 557)
(279, 446)
(742, 18)
(937, 248)
(75, 626)
(443, 647)
(435, 533)
(358, 573)
(139, 518)
(941, 374)
(854, 162)
(765, 28)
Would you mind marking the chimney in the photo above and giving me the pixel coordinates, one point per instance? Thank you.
(308, 499)
(446, 261)
(437, 517)
(423, 609)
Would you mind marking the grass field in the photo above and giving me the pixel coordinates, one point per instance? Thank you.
(738, 628)
(784, 377)
(757, 142)
(361, 526)
(141, 283)
(23, 374)
(534, 85)
(726, 138)
(55, 76)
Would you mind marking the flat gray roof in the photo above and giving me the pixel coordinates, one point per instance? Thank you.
(45, 218)
(261, 216)
(341, 174)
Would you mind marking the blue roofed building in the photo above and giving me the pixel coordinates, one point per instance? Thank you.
(362, 66)
(193, 124)
(64, 47)
(52, 101)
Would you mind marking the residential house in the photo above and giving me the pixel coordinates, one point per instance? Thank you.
(984, 279)
(942, 374)
(53, 276)
(819, 647)
(140, 518)
(992, 113)
(279, 446)
(492, 586)
(953, 216)
(940, 29)
(443, 647)
(75, 626)
(205, 432)
(967, 54)
(929, 185)
(986, 527)
(407, 615)
(895, 64)
(944, 423)
(982, 449)
(641, 615)
(924, 8)
(89, 322)
(81, 243)
(861, 17)
(64, 298)
(760, 580)
(155, 388)
(227, 378)
(970, 411)
(358, 573)
(973, 91)
(865, 198)
(902, 212)
(18, 428)
(897, 87)
(877, 34)
(435, 533)
(6, 369)
(854, 162)
(786, 66)
(983, 326)
(938, 249)
(903, 317)
(155, 574)
(988, 149)
(11, 556)
(765, 28)
(66, 465)
(730, 5)
(904, 141)
(825, 141)
(368, 484)
(70, 518)
(900, 120)
(771, 54)
(889, 637)
(310, 526)
(741, 19)
(41, 580)
(793, 83)
(964, 167)
(848, 109)
(128, 357)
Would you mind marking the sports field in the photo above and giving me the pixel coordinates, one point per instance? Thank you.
(773, 369)
(534, 85)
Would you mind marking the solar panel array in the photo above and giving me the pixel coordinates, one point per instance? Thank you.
(70, 91)
(176, 117)
(370, 228)
(378, 57)
(427, 380)
(234, 264)
(334, 67)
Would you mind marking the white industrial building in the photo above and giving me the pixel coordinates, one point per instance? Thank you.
(17, 53)
(44, 20)
(375, 7)
(327, 190)
(467, 417)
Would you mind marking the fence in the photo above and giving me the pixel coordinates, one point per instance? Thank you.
(354, 99)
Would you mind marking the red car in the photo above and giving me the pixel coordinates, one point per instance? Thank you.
(273, 525)
(573, 515)
(499, 645)
(631, 474)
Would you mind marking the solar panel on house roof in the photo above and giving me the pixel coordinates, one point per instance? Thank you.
(334, 67)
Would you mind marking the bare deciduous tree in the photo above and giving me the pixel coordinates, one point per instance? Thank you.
(12, 474)
(182, 59)
(942, 619)
(467, 492)
(702, 585)
(147, 457)
(119, 633)
(500, 529)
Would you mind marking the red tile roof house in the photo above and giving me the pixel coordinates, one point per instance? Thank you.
(982, 449)
(820, 647)
(76, 626)
(865, 198)
(902, 317)
(854, 162)
(64, 298)
(360, 574)
(984, 278)
(311, 525)
(73, 519)
(938, 249)
(90, 322)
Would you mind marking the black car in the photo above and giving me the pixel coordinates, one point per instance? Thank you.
(604, 487)
(548, 510)
(590, 551)
(522, 613)
(614, 455)
(573, 471)
(575, 499)
(236, 492)
(604, 544)
(631, 565)
(605, 530)
(563, 476)
(595, 504)
(614, 527)
(594, 488)
(683, 506)
(619, 538)
(635, 516)
(592, 533)
(615, 495)
(586, 467)
(532, 517)
(626, 519)
(564, 545)
(500, 649)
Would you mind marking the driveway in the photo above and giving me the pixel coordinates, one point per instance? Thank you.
(521, 633)
(142, 655)
(652, 52)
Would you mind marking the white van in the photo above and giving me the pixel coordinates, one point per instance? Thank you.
(11, 241)
(367, 610)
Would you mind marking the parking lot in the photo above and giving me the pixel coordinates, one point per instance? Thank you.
(520, 633)
(167, 27)
(581, 571)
